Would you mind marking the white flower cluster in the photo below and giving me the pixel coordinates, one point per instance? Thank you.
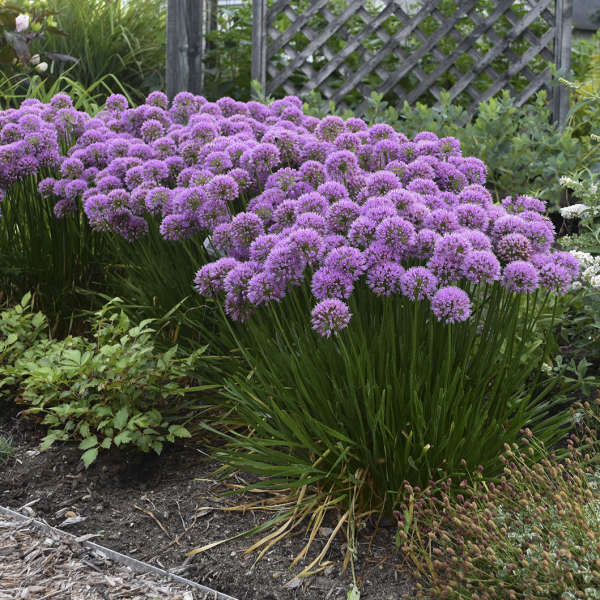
(574, 211)
(589, 274)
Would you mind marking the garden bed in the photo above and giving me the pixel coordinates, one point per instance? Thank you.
(156, 509)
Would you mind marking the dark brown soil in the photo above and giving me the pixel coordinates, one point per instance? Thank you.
(158, 508)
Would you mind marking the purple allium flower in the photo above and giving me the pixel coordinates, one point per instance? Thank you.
(453, 247)
(379, 208)
(312, 220)
(312, 172)
(418, 283)
(381, 182)
(223, 188)
(283, 179)
(236, 280)
(263, 288)
(474, 169)
(285, 264)
(540, 234)
(312, 202)
(210, 278)
(354, 125)
(340, 164)
(567, 261)
(472, 216)
(46, 187)
(381, 131)
(116, 103)
(540, 259)
(442, 220)
(423, 186)
(75, 188)
(64, 207)
(450, 146)
(189, 199)
(512, 247)
(127, 225)
(419, 168)
(520, 277)
(155, 171)
(333, 191)
(347, 141)
(341, 214)
(307, 242)
(330, 317)
(330, 127)
(555, 278)
(384, 278)
(285, 214)
(475, 194)
(245, 228)
(222, 239)
(157, 199)
(524, 203)
(509, 224)
(71, 168)
(262, 246)
(480, 266)
(417, 213)
(178, 227)
(424, 244)
(362, 232)
(451, 305)
(330, 283)
(347, 260)
(396, 233)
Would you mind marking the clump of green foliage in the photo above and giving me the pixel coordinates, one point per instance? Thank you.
(534, 534)
(114, 389)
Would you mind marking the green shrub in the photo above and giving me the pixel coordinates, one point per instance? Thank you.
(112, 390)
(535, 534)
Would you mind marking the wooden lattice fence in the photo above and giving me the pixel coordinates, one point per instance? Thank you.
(472, 49)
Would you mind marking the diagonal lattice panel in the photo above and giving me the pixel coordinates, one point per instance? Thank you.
(471, 49)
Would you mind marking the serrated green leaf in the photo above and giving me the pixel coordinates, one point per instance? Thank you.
(353, 594)
(121, 418)
(179, 431)
(89, 457)
(88, 442)
(106, 443)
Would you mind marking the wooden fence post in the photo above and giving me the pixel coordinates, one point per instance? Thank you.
(259, 43)
(185, 46)
(562, 58)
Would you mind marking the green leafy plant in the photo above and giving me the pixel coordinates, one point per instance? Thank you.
(6, 448)
(534, 534)
(113, 390)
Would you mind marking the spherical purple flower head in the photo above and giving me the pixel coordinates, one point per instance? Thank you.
(434, 201)
(59, 101)
(245, 228)
(420, 168)
(524, 203)
(378, 209)
(417, 213)
(495, 211)
(118, 147)
(347, 141)
(520, 277)
(209, 280)
(64, 207)
(384, 278)
(75, 188)
(555, 278)
(188, 199)
(134, 177)
(450, 146)
(330, 128)
(396, 233)
(427, 148)
(175, 164)
(116, 103)
(398, 168)
(452, 247)
(157, 199)
(478, 239)
(190, 152)
(407, 152)
(424, 244)
(423, 186)
(451, 305)
(96, 208)
(418, 283)
(127, 225)
(69, 123)
(119, 198)
(540, 259)
(315, 150)
(340, 164)
(329, 283)
(567, 261)
(355, 125)
(442, 220)
(376, 253)
(119, 166)
(472, 216)
(46, 187)
(481, 266)
(184, 179)
(158, 99)
(333, 191)
(285, 215)
(142, 151)
(260, 159)
(386, 151)
(362, 232)
(312, 172)
(540, 234)
(311, 220)
(476, 194)
(107, 183)
(236, 280)
(285, 264)
(283, 179)
(96, 155)
(426, 136)
(177, 227)
(312, 202)
(218, 162)
(512, 247)
(340, 215)
(155, 171)
(472, 168)
(450, 178)
(347, 260)
(509, 224)
(262, 246)
(308, 242)
(211, 213)
(381, 182)
(288, 143)
(223, 188)
(242, 178)
(381, 131)
(330, 316)
(262, 288)
(152, 130)
(222, 240)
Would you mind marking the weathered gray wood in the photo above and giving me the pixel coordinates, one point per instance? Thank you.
(185, 46)
(562, 58)
(259, 43)
(553, 44)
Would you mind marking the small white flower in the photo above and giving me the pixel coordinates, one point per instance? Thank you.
(595, 282)
(576, 285)
(573, 211)
(42, 67)
(35, 59)
(546, 369)
(21, 22)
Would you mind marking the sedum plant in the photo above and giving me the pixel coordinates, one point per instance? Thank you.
(534, 534)
(113, 390)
